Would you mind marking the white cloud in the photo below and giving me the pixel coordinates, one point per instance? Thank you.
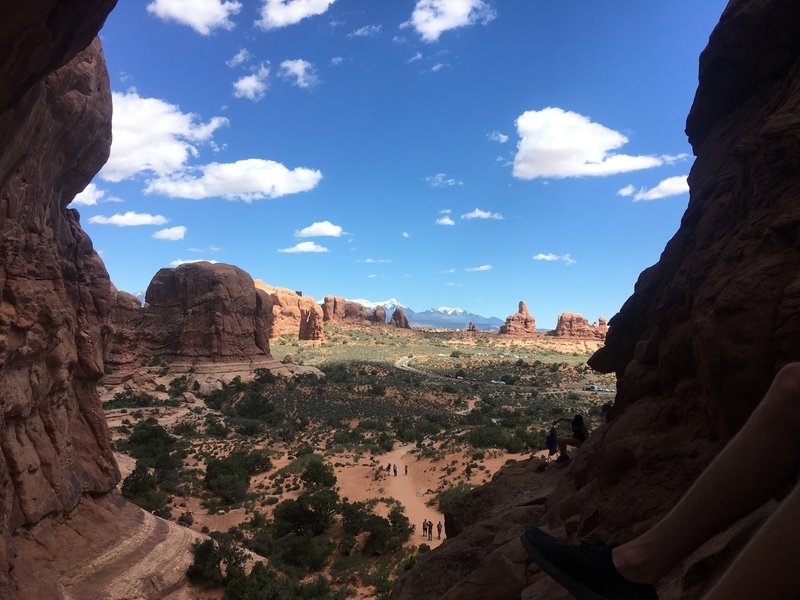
(445, 211)
(282, 13)
(481, 214)
(672, 186)
(248, 180)
(153, 135)
(415, 58)
(320, 229)
(481, 268)
(214, 249)
(376, 260)
(496, 136)
(372, 276)
(299, 70)
(433, 17)
(565, 258)
(447, 271)
(626, 191)
(559, 143)
(406, 235)
(336, 61)
(253, 86)
(181, 261)
(90, 196)
(366, 31)
(241, 57)
(129, 219)
(442, 180)
(671, 159)
(171, 233)
(204, 16)
(438, 67)
(445, 221)
(304, 247)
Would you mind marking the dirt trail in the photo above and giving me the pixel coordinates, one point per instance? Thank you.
(357, 482)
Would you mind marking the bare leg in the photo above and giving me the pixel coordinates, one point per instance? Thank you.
(567, 440)
(743, 476)
(769, 566)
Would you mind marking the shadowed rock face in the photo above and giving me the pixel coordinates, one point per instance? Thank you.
(399, 319)
(198, 312)
(697, 344)
(56, 134)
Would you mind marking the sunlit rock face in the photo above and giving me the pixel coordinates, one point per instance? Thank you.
(55, 127)
(694, 348)
(520, 323)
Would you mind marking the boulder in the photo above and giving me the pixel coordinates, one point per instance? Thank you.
(399, 319)
(520, 323)
(575, 326)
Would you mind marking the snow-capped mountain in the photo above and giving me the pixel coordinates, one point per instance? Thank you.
(441, 317)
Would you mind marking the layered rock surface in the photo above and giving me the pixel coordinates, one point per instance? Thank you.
(399, 319)
(197, 312)
(340, 310)
(292, 313)
(520, 323)
(694, 348)
(56, 133)
(576, 326)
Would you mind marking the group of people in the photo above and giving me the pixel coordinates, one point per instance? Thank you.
(427, 530)
(390, 467)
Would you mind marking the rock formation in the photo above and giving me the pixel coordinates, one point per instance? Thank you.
(197, 312)
(293, 313)
(399, 319)
(471, 327)
(520, 323)
(694, 348)
(575, 326)
(55, 127)
(338, 309)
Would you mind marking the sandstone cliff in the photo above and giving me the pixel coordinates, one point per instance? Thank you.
(292, 313)
(198, 312)
(338, 309)
(694, 348)
(520, 323)
(56, 292)
(575, 326)
(399, 319)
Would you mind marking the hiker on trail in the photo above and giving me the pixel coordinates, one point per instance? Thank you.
(579, 435)
(406, 468)
(747, 473)
(395, 470)
(430, 530)
(605, 410)
(439, 530)
(389, 468)
(425, 528)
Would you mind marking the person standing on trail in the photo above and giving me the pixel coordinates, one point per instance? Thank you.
(430, 531)
(406, 468)
(395, 470)
(439, 530)
(425, 528)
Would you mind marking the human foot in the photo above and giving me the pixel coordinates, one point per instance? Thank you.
(586, 570)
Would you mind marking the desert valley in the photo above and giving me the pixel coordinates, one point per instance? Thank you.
(221, 437)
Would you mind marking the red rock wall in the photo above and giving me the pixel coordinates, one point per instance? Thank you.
(575, 326)
(520, 323)
(56, 134)
(694, 348)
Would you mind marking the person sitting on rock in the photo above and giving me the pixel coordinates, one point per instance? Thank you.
(579, 435)
(745, 474)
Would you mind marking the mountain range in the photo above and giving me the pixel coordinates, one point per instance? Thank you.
(441, 317)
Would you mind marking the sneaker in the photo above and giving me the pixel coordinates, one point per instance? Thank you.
(586, 570)
(563, 458)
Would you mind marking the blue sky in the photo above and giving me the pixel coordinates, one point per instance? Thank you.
(465, 153)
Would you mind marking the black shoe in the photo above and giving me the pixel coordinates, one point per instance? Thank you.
(562, 458)
(585, 569)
